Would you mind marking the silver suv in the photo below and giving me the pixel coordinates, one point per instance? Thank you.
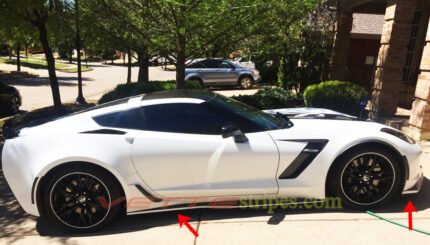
(217, 72)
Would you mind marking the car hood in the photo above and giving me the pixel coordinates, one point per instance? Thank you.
(318, 123)
(312, 113)
(332, 130)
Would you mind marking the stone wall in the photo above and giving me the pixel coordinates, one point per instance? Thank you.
(420, 116)
(391, 58)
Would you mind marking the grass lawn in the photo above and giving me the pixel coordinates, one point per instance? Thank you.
(43, 65)
(74, 69)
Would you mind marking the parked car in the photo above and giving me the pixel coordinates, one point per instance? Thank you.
(218, 72)
(159, 60)
(245, 62)
(10, 99)
(184, 149)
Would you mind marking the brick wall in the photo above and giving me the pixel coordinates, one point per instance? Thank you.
(420, 115)
(391, 58)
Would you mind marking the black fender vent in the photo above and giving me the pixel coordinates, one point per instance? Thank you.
(304, 159)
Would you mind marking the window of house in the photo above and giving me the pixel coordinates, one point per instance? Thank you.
(409, 76)
(370, 60)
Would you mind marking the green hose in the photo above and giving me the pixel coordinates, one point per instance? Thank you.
(397, 223)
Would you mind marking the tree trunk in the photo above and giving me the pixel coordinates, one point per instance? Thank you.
(43, 36)
(10, 53)
(80, 99)
(180, 63)
(129, 66)
(18, 57)
(26, 51)
(143, 58)
(70, 54)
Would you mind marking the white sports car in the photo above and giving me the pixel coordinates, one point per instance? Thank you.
(192, 149)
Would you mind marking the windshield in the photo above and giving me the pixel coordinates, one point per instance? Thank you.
(265, 120)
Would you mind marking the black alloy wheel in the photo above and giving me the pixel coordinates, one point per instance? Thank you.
(81, 201)
(367, 178)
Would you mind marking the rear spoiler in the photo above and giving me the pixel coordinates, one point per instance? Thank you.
(13, 126)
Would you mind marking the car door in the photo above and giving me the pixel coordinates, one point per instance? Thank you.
(182, 154)
(211, 71)
(204, 70)
(227, 73)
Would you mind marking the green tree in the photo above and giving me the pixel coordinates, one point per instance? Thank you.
(38, 14)
(193, 28)
(176, 29)
(295, 36)
(18, 35)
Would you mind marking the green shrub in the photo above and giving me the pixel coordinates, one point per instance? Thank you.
(335, 95)
(131, 89)
(271, 98)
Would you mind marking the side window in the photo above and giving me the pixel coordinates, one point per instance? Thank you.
(216, 64)
(212, 63)
(129, 119)
(184, 118)
(225, 64)
(196, 65)
(194, 119)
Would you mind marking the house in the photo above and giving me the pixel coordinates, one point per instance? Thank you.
(400, 73)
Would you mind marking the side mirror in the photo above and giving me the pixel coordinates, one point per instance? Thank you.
(233, 131)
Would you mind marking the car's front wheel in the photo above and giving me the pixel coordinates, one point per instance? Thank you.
(81, 200)
(366, 178)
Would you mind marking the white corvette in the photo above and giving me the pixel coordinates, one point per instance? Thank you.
(185, 149)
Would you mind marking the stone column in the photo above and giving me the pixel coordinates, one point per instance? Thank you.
(420, 115)
(392, 57)
(341, 44)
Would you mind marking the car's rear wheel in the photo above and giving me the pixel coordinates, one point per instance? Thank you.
(246, 82)
(14, 104)
(366, 178)
(81, 200)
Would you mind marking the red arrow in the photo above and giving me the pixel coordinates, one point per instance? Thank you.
(410, 208)
(184, 220)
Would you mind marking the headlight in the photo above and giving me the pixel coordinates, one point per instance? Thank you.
(399, 135)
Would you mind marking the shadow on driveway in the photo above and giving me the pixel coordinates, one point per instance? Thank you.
(41, 81)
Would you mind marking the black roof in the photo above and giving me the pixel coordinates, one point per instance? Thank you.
(181, 93)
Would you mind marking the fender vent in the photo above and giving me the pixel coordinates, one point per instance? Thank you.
(304, 159)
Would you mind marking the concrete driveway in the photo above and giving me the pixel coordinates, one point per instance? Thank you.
(36, 93)
(233, 226)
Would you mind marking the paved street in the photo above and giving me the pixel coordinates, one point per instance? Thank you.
(232, 226)
(36, 93)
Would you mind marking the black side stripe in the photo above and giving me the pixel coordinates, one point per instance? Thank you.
(147, 194)
(104, 131)
(304, 159)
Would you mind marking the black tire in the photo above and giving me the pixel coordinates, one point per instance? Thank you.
(80, 198)
(246, 82)
(14, 104)
(366, 178)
